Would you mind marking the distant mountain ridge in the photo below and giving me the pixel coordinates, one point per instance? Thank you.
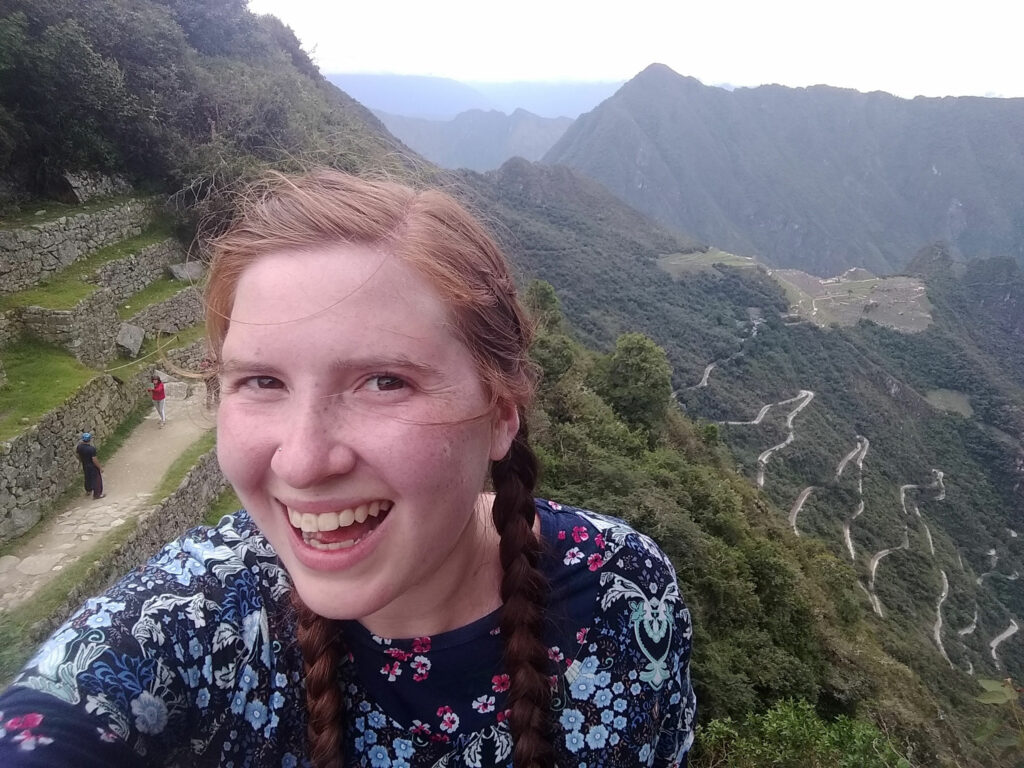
(821, 178)
(440, 98)
(478, 140)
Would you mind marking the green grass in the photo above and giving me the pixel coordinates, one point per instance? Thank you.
(176, 472)
(224, 504)
(679, 264)
(53, 209)
(69, 286)
(39, 378)
(152, 294)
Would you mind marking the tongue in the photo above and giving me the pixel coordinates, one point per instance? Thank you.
(348, 533)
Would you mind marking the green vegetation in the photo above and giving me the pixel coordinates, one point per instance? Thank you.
(71, 285)
(52, 210)
(39, 378)
(681, 264)
(224, 504)
(950, 400)
(152, 294)
(791, 734)
(181, 466)
(19, 633)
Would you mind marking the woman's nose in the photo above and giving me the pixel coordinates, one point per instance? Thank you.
(316, 444)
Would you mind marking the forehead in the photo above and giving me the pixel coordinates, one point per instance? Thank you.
(342, 290)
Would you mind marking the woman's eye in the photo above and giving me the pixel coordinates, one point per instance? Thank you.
(384, 383)
(265, 382)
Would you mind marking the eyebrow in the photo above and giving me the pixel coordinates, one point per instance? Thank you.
(237, 365)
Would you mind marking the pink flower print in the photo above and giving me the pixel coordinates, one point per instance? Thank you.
(392, 671)
(484, 704)
(580, 533)
(105, 735)
(555, 505)
(30, 720)
(599, 540)
(449, 720)
(420, 668)
(503, 715)
(561, 535)
(398, 653)
(573, 556)
(29, 741)
(440, 737)
(555, 653)
(421, 645)
(581, 634)
(594, 562)
(499, 683)
(421, 729)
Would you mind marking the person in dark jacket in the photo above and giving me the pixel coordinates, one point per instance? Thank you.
(90, 466)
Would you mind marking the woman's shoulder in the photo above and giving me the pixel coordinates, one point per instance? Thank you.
(581, 537)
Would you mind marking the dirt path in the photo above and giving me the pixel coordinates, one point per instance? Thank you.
(129, 479)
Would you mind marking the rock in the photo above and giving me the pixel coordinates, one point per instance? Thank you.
(8, 562)
(130, 337)
(189, 272)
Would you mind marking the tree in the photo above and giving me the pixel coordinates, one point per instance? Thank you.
(639, 382)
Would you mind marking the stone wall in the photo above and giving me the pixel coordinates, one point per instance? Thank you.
(10, 327)
(129, 275)
(88, 331)
(33, 253)
(182, 310)
(180, 511)
(37, 465)
(82, 186)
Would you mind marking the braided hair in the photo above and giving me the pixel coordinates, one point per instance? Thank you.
(436, 235)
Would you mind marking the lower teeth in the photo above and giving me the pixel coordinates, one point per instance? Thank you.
(317, 544)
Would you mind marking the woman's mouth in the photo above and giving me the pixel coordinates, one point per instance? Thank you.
(339, 529)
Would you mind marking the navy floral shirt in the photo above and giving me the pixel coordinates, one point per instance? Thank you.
(192, 660)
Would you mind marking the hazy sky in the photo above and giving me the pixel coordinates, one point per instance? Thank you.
(906, 47)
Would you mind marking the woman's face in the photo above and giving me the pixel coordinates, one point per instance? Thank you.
(357, 432)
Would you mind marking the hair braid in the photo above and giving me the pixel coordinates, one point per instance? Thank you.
(321, 646)
(523, 593)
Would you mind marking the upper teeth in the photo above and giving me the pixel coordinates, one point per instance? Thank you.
(331, 521)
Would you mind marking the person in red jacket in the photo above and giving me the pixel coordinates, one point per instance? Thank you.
(157, 391)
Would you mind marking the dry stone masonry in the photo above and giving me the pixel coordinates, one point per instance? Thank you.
(129, 275)
(37, 465)
(32, 254)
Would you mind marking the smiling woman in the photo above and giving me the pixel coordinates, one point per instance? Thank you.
(392, 594)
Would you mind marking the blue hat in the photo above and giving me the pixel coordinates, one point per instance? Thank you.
(86, 436)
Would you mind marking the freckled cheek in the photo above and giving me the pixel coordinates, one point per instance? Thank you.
(244, 449)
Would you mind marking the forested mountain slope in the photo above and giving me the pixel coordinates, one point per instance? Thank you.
(777, 615)
(821, 179)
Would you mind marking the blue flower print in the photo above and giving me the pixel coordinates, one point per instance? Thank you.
(203, 698)
(597, 737)
(618, 688)
(238, 703)
(256, 714)
(371, 737)
(104, 608)
(582, 687)
(403, 748)
(376, 720)
(607, 716)
(195, 648)
(276, 700)
(150, 713)
(248, 679)
(289, 761)
(571, 719)
(602, 679)
(619, 705)
(379, 758)
(280, 680)
(603, 697)
(574, 741)
(619, 722)
(360, 724)
(645, 754)
(399, 763)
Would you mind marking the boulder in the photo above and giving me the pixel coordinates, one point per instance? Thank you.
(189, 271)
(129, 338)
